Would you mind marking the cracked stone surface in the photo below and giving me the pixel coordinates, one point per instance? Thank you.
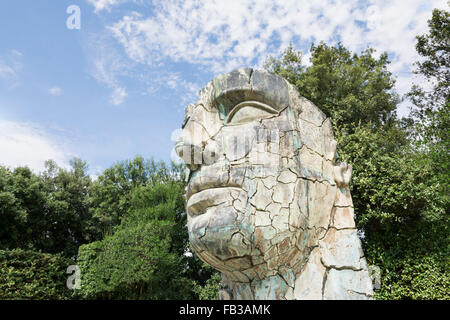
(267, 204)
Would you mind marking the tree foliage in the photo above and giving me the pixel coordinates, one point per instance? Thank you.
(434, 47)
(128, 228)
(432, 105)
(32, 275)
(47, 212)
(349, 88)
(111, 192)
(144, 256)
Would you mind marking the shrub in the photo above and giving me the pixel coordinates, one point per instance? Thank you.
(33, 275)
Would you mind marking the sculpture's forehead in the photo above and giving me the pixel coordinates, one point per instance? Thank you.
(227, 90)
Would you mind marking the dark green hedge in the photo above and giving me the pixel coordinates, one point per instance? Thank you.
(33, 275)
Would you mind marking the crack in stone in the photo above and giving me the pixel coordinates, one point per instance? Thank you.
(325, 277)
(361, 293)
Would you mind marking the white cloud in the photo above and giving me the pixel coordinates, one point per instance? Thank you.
(225, 34)
(55, 91)
(107, 65)
(101, 5)
(6, 71)
(10, 66)
(118, 96)
(175, 81)
(111, 67)
(25, 144)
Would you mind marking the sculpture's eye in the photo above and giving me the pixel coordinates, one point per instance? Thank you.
(248, 111)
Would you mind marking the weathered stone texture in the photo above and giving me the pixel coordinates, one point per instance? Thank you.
(267, 204)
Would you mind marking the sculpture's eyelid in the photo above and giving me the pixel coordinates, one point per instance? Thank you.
(255, 104)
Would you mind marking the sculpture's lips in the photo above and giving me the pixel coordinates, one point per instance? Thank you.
(199, 202)
(214, 176)
(198, 188)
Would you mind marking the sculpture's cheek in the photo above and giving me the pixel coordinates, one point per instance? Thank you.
(237, 141)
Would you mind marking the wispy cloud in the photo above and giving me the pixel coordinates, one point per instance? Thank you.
(225, 34)
(28, 144)
(55, 91)
(100, 5)
(6, 71)
(220, 35)
(10, 66)
(112, 67)
(107, 65)
(118, 96)
(175, 81)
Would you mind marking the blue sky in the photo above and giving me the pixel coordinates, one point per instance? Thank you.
(118, 86)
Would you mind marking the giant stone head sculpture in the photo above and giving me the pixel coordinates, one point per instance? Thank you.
(267, 204)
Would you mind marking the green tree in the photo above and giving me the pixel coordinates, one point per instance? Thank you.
(349, 88)
(66, 212)
(46, 212)
(434, 47)
(144, 254)
(111, 192)
(432, 106)
(209, 289)
(43, 219)
(22, 201)
(33, 275)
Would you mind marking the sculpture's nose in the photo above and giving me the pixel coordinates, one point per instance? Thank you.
(191, 144)
(191, 154)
